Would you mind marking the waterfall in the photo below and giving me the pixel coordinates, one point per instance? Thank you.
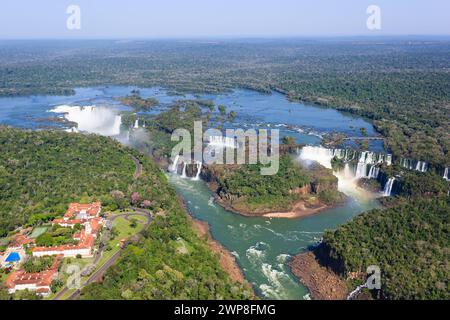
(174, 165)
(361, 170)
(319, 154)
(374, 172)
(388, 187)
(224, 142)
(183, 174)
(324, 156)
(100, 120)
(446, 174)
(347, 172)
(136, 124)
(199, 170)
(410, 164)
(355, 292)
(388, 159)
(117, 123)
(421, 166)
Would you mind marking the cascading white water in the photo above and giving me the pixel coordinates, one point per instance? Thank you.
(199, 170)
(319, 154)
(224, 142)
(420, 166)
(324, 157)
(374, 172)
(174, 165)
(183, 173)
(388, 187)
(446, 177)
(117, 124)
(346, 178)
(407, 164)
(347, 172)
(92, 119)
(388, 159)
(361, 170)
(136, 124)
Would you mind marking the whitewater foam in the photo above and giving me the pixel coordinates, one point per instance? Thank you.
(92, 119)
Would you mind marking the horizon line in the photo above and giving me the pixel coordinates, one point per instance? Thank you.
(234, 37)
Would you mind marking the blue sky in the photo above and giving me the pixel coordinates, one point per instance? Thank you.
(220, 18)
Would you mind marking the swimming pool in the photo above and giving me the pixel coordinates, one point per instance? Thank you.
(13, 257)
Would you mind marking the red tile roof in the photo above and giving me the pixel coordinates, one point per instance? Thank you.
(19, 240)
(95, 225)
(62, 221)
(86, 242)
(40, 279)
(91, 209)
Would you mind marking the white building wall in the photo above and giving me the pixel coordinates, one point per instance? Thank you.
(85, 253)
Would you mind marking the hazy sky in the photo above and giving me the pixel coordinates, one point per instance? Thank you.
(220, 18)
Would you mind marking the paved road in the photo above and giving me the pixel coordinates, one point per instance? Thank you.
(138, 171)
(98, 274)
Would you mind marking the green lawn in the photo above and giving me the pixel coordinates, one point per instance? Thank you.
(124, 230)
(38, 231)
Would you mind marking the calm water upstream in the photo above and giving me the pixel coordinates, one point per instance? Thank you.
(261, 246)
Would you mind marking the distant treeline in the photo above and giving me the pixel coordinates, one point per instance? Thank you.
(402, 85)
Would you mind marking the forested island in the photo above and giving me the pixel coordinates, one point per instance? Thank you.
(292, 193)
(135, 101)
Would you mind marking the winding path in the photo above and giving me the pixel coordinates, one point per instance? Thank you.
(138, 171)
(99, 273)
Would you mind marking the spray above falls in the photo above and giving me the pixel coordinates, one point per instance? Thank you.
(100, 120)
(356, 164)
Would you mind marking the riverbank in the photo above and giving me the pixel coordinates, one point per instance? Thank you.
(226, 259)
(298, 210)
(322, 283)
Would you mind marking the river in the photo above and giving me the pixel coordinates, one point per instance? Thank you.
(262, 247)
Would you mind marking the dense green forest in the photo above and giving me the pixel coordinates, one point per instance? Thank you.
(244, 188)
(155, 269)
(137, 103)
(42, 171)
(239, 183)
(402, 84)
(409, 242)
